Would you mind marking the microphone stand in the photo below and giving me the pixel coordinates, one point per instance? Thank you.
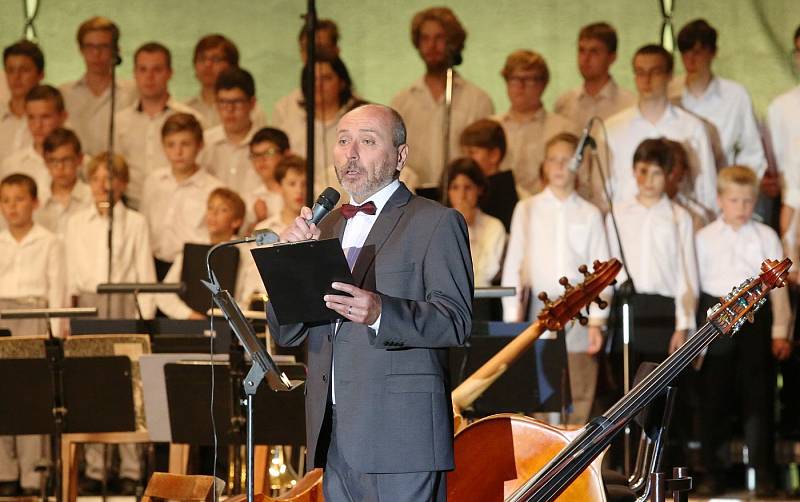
(310, 94)
(116, 62)
(453, 60)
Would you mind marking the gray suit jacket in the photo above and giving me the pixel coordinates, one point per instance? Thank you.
(393, 405)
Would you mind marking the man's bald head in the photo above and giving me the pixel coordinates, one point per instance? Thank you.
(392, 119)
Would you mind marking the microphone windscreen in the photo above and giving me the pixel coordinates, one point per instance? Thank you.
(328, 198)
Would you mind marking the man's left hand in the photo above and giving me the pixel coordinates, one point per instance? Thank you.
(781, 348)
(363, 307)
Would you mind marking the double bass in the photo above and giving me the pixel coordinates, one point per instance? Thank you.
(505, 458)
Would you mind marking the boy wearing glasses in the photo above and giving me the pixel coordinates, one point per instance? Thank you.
(68, 194)
(267, 148)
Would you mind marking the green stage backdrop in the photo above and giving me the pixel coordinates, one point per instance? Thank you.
(755, 38)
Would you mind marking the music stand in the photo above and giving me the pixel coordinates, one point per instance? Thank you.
(135, 288)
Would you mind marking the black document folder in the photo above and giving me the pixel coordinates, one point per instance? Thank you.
(297, 275)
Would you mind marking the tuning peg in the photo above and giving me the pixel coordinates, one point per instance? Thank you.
(596, 264)
(583, 320)
(544, 299)
(565, 282)
(583, 269)
(601, 303)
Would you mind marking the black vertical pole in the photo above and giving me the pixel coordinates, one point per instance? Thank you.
(310, 90)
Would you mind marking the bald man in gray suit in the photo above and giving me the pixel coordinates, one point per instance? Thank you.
(378, 410)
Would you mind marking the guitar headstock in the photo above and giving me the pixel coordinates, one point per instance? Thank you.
(556, 314)
(743, 301)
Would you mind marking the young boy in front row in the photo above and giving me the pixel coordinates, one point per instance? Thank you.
(267, 148)
(291, 177)
(552, 234)
(32, 275)
(223, 217)
(729, 250)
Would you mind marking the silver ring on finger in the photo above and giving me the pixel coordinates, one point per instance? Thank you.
(349, 310)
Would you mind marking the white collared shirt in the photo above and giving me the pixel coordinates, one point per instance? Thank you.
(54, 216)
(727, 105)
(210, 113)
(727, 256)
(89, 114)
(525, 143)
(578, 106)
(14, 132)
(28, 161)
(783, 120)
(33, 267)
(551, 238)
(229, 162)
(176, 211)
(273, 201)
(627, 129)
(487, 240)
(659, 251)
(424, 119)
(86, 242)
(138, 140)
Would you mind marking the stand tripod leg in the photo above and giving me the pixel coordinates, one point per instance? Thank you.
(250, 450)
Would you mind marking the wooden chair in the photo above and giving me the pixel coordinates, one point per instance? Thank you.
(167, 486)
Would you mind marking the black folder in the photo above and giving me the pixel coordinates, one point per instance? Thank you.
(297, 275)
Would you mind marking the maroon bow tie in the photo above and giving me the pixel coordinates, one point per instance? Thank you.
(349, 210)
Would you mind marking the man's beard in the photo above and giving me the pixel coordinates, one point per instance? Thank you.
(369, 182)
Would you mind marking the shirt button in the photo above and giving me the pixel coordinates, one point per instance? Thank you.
(325, 378)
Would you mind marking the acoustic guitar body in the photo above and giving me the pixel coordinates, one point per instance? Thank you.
(497, 454)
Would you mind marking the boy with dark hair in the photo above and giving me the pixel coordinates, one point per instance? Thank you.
(32, 275)
(599, 95)
(68, 194)
(44, 110)
(729, 250)
(290, 174)
(23, 63)
(174, 196)
(227, 146)
(724, 103)
(138, 127)
(88, 99)
(484, 142)
(267, 149)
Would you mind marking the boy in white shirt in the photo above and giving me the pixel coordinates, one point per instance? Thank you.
(290, 173)
(23, 62)
(175, 196)
(32, 275)
(729, 250)
(267, 149)
(68, 194)
(657, 239)
(224, 216)
(552, 234)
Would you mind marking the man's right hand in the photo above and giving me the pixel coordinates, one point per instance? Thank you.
(301, 230)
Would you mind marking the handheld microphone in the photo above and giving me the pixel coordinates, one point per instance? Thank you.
(326, 201)
(586, 140)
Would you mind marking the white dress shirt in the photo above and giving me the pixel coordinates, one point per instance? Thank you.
(28, 161)
(272, 222)
(487, 240)
(424, 119)
(727, 105)
(138, 140)
(783, 120)
(627, 129)
(176, 211)
(659, 250)
(551, 238)
(33, 267)
(86, 242)
(273, 200)
(210, 113)
(54, 216)
(14, 132)
(285, 107)
(89, 114)
(578, 106)
(727, 256)
(248, 281)
(229, 162)
(525, 145)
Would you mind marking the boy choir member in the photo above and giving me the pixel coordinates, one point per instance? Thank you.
(678, 187)
(214, 54)
(88, 99)
(32, 275)
(528, 126)
(23, 63)
(724, 103)
(267, 148)
(552, 234)
(226, 147)
(730, 249)
(654, 116)
(138, 127)
(439, 37)
(290, 174)
(599, 95)
(68, 194)
(175, 196)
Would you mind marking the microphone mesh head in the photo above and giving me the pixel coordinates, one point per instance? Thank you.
(328, 198)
